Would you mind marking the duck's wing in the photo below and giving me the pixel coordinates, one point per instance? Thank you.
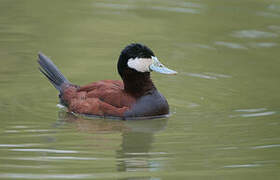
(94, 106)
(104, 98)
(109, 91)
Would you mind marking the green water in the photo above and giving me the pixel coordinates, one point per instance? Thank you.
(224, 102)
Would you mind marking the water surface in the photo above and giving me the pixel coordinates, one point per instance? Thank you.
(224, 102)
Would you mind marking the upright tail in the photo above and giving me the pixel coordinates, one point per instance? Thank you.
(52, 72)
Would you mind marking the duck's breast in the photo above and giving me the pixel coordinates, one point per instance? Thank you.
(151, 104)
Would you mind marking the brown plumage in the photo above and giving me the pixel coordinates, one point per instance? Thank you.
(102, 98)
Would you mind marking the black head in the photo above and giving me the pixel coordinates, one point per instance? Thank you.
(132, 51)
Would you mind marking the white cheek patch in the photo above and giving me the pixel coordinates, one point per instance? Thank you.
(140, 64)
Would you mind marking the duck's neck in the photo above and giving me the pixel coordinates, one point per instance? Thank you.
(138, 84)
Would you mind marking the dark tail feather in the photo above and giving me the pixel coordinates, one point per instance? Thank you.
(51, 72)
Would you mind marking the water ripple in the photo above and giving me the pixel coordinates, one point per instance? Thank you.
(274, 27)
(192, 5)
(37, 130)
(250, 110)
(25, 166)
(114, 6)
(27, 130)
(258, 114)
(230, 45)
(19, 127)
(11, 131)
(189, 4)
(242, 165)
(274, 7)
(176, 9)
(45, 150)
(253, 34)
(147, 153)
(207, 75)
(200, 75)
(253, 112)
(17, 145)
(218, 75)
(268, 14)
(266, 146)
(203, 46)
(51, 158)
(45, 176)
(228, 148)
(264, 44)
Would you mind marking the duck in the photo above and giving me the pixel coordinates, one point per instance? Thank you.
(134, 96)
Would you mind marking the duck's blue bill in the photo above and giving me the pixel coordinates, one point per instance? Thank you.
(158, 67)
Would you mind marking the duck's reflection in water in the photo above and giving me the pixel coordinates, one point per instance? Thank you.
(134, 154)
